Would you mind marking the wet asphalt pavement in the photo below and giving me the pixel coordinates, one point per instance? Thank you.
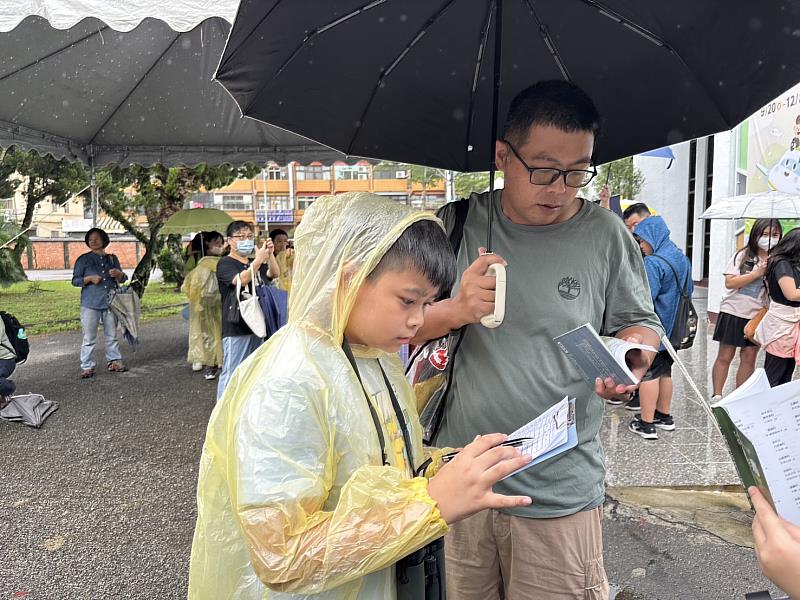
(100, 502)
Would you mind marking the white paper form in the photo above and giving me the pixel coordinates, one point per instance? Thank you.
(548, 431)
(771, 421)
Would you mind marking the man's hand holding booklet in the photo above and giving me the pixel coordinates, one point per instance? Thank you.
(604, 358)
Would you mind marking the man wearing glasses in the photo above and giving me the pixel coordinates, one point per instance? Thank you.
(569, 262)
(238, 341)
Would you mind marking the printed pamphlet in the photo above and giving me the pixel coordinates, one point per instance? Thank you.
(596, 356)
(761, 426)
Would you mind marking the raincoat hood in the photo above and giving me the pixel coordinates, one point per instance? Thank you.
(655, 232)
(665, 284)
(340, 241)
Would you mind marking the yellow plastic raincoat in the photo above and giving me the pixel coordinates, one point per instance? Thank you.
(205, 313)
(286, 263)
(293, 499)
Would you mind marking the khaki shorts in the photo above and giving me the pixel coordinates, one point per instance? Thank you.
(496, 556)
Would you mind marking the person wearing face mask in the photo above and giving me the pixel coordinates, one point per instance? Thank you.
(779, 330)
(238, 341)
(205, 307)
(746, 294)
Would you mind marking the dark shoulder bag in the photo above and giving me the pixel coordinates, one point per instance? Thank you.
(430, 368)
(420, 575)
(684, 328)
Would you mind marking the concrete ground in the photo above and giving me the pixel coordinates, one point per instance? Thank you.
(100, 502)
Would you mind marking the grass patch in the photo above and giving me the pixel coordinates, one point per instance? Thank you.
(49, 306)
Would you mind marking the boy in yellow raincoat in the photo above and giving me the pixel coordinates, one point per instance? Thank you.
(295, 499)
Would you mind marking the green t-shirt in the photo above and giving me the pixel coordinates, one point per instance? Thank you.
(585, 270)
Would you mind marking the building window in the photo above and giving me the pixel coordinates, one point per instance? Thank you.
(313, 172)
(275, 203)
(344, 172)
(233, 202)
(275, 173)
(304, 202)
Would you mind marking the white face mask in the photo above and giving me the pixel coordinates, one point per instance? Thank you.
(765, 242)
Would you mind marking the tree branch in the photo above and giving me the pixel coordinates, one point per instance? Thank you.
(123, 220)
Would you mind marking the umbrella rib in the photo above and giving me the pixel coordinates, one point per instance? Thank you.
(544, 33)
(249, 33)
(309, 36)
(134, 88)
(487, 23)
(654, 39)
(385, 72)
(51, 54)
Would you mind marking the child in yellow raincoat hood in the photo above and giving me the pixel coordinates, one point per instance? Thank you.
(295, 497)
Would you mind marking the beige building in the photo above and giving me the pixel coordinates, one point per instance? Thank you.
(279, 195)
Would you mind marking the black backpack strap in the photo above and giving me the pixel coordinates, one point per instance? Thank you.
(457, 233)
(684, 290)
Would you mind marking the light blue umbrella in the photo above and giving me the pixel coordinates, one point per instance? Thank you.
(665, 152)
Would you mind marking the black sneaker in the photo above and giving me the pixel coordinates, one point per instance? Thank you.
(210, 373)
(664, 422)
(614, 401)
(633, 404)
(642, 429)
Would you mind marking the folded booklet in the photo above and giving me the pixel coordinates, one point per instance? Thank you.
(549, 434)
(596, 356)
(761, 426)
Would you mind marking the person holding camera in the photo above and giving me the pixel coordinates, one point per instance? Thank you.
(238, 341)
(746, 295)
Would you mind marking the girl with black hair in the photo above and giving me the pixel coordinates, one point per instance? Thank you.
(194, 252)
(205, 308)
(746, 295)
(97, 273)
(779, 331)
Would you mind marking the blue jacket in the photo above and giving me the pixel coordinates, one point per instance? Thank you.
(663, 288)
(95, 295)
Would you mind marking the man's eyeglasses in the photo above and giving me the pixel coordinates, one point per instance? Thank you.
(244, 236)
(574, 178)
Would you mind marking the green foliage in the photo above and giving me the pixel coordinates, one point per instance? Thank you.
(10, 269)
(171, 260)
(36, 177)
(467, 183)
(622, 177)
(157, 193)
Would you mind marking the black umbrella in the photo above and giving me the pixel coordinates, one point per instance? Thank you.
(411, 80)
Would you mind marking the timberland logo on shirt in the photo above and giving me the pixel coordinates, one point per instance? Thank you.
(569, 288)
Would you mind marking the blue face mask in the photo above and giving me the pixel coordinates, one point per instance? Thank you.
(245, 247)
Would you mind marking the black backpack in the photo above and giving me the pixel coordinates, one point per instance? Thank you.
(15, 333)
(684, 329)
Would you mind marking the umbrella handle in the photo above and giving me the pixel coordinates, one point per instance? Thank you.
(495, 318)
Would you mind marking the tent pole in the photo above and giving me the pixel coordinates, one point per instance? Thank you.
(498, 48)
(93, 186)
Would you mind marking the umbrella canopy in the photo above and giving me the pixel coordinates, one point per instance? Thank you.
(763, 205)
(126, 306)
(197, 219)
(129, 82)
(412, 81)
(29, 409)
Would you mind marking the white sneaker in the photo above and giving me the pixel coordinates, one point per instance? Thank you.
(716, 398)
(197, 367)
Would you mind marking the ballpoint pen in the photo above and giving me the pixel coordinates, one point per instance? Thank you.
(515, 443)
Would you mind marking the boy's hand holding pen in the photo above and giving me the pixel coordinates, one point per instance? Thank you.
(515, 443)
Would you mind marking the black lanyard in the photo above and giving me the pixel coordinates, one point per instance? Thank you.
(398, 413)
